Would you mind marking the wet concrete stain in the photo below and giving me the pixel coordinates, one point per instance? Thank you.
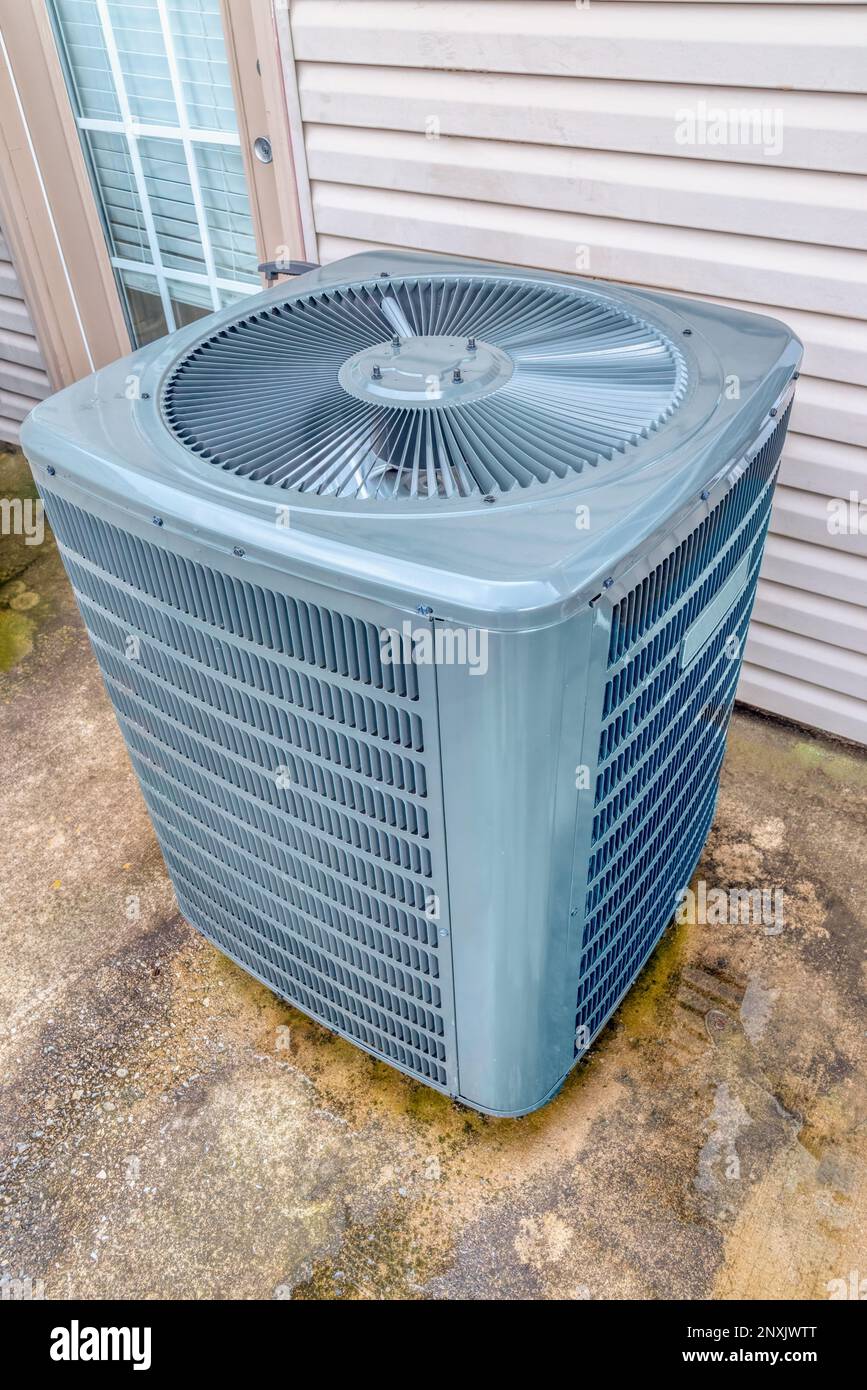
(169, 1128)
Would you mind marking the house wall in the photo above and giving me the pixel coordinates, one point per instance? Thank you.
(23, 378)
(557, 135)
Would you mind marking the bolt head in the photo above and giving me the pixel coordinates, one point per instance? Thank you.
(157, 520)
(239, 551)
(51, 470)
(456, 376)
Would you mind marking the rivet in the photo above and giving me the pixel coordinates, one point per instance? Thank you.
(239, 551)
(157, 520)
(51, 470)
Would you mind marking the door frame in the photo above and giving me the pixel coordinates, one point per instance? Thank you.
(47, 204)
(48, 209)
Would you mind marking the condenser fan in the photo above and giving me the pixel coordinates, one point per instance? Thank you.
(440, 386)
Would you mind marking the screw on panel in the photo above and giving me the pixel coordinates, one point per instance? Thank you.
(456, 376)
(705, 495)
(157, 520)
(51, 470)
(424, 609)
(376, 373)
(687, 332)
(145, 395)
(773, 412)
(471, 344)
(489, 498)
(795, 376)
(239, 551)
(606, 583)
(395, 342)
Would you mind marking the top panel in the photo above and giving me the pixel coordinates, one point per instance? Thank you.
(569, 480)
(432, 386)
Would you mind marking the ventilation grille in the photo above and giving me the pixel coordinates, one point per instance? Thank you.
(555, 380)
(285, 769)
(663, 737)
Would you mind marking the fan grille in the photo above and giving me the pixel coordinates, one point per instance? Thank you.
(425, 387)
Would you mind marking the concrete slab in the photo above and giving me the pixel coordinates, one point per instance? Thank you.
(170, 1129)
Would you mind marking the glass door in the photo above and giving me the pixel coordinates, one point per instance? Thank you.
(151, 92)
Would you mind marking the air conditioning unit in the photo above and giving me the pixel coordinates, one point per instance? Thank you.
(419, 587)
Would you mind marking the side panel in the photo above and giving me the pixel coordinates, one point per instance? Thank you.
(676, 631)
(511, 741)
(291, 774)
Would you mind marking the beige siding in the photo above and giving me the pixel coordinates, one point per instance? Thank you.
(23, 379)
(556, 141)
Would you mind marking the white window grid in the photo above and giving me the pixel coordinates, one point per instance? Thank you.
(132, 131)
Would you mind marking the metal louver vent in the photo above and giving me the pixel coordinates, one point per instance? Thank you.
(437, 386)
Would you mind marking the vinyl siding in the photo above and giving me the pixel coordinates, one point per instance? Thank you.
(23, 379)
(557, 137)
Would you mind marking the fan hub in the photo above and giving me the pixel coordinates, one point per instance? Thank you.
(430, 370)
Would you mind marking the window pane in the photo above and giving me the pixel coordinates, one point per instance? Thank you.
(143, 61)
(112, 171)
(144, 306)
(227, 210)
(198, 36)
(148, 186)
(87, 61)
(188, 313)
(171, 198)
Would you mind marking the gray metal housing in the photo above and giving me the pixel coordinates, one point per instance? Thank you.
(463, 872)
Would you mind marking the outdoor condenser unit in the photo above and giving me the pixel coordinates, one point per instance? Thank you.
(419, 587)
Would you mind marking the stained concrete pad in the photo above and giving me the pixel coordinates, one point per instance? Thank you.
(171, 1129)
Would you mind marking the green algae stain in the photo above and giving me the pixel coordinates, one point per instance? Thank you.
(16, 638)
(838, 765)
(22, 610)
(643, 1009)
